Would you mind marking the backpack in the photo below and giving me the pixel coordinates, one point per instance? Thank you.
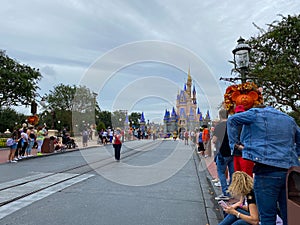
(10, 142)
(205, 135)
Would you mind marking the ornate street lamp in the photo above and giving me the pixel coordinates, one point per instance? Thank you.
(241, 58)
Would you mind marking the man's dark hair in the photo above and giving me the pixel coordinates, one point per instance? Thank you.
(223, 114)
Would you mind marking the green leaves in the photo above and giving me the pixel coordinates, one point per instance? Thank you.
(18, 83)
(275, 62)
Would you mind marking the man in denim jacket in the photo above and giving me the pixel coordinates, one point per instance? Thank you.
(271, 139)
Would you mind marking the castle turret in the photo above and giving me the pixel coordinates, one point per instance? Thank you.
(194, 95)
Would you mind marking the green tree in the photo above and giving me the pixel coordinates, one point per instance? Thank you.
(118, 119)
(104, 117)
(10, 119)
(134, 119)
(61, 97)
(18, 83)
(70, 105)
(100, 126)
(275, 63)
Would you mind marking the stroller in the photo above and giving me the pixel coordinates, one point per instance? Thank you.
(68, 142)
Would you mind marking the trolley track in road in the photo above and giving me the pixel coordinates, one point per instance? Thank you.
(43, 181)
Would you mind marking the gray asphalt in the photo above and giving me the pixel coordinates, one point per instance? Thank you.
(187, 197)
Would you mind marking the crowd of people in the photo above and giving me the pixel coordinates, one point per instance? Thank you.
(256, 147)
(24, 139)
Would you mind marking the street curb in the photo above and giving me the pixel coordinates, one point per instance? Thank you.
(214, 211)
(56, 153)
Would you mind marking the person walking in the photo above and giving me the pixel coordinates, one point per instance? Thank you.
(186, 137)
(271, 139)
(117, 145)
(245, 210)
(224, 159)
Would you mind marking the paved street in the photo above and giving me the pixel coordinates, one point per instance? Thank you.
(88, 187)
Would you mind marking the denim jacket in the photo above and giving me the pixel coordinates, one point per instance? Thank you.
(269, 136)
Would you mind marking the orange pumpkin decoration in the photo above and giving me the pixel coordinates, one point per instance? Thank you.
(33, 120)
(247, 100)
(246, 94)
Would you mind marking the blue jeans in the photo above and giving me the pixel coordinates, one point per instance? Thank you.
(269, 189)
(222, 164)
(233, 220)
(29, 147)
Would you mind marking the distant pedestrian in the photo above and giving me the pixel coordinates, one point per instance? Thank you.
(174, 135)
(85, 137)
(201, 148)
(117, 145)
(206, 137)
(193, 137)
(271, 139)
(186, 137)
(111, 135)
(104, 137)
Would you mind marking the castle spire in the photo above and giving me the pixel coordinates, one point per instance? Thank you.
(189, 83)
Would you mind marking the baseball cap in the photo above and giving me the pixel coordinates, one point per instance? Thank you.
(239, 108)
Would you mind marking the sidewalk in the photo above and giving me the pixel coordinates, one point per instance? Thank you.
(4, 152)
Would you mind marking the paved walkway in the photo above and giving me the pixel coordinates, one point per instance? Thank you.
(4, 152)
(211, 166)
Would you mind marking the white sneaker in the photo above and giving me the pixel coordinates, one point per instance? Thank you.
(215, 180)
(222, 197)
(13, 161)
(217, 184)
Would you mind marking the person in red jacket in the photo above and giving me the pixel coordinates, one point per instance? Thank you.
(117, 145)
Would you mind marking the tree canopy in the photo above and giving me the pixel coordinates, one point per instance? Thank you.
(275, 62)
(70, 104)
(18, 82)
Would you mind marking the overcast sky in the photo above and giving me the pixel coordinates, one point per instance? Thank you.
(65, 39)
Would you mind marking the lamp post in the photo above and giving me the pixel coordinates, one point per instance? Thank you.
(241, 58)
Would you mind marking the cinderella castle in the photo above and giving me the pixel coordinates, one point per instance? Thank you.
(186, 115)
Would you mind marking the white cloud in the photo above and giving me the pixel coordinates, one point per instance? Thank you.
(63, 38)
